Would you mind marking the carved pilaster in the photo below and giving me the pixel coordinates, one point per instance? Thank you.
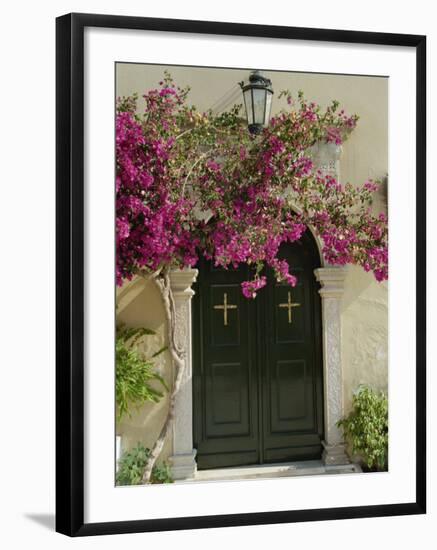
(183, 458)
(326, 157)
(332, 281)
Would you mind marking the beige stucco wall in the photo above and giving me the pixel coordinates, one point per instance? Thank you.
(139, 305)
(365, 155)
(366, 151)
(364, 333)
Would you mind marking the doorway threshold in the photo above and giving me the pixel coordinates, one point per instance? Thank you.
(271, 471)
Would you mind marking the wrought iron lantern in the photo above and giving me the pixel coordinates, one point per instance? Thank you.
(258, 94)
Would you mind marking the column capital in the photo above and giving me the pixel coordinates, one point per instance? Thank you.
(326, 157)
(332, 280)
(325, 152)
(181, 281)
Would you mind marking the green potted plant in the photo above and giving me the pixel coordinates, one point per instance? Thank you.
(132, 464)
(134, 372)
(134, 376)
(366, 428)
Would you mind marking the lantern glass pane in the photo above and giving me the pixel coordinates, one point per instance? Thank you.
(269, 97)
(259, 98)
(248, 105)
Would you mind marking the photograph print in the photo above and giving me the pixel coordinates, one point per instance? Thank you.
(251, 274)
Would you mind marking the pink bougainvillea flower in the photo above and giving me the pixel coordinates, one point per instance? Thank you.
(192, 184)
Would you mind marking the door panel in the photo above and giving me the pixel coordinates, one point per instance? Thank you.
(224, 373)
(295, 331)
(227, 400)
(291, 420)
(257, 366)
(289, 395)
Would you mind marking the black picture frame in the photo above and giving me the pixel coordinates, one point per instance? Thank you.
(70, 273)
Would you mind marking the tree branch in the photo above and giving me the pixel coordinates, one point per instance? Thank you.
(178, 363)
(192, 168)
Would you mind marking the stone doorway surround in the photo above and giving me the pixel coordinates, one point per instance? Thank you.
(183, 460)
(327, 158)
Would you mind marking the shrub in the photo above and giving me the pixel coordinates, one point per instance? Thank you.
(132, 464)
(366, 428)
(134, 372)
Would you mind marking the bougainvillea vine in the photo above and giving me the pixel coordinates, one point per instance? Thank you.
(191, 184)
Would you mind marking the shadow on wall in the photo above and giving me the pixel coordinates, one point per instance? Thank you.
(140, 305)
(364, 333)
(361, 287)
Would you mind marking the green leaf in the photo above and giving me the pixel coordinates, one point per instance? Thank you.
(132, 464)
(134, 373)
(366, 427)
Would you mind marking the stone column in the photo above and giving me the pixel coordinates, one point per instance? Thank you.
(183, 459)
(332, 281)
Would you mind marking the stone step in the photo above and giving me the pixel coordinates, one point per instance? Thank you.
(269, 471)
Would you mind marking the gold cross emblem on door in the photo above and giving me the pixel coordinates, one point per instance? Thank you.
(289, 305)
(225, 306)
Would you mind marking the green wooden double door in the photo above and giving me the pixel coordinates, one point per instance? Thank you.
(257, 366)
